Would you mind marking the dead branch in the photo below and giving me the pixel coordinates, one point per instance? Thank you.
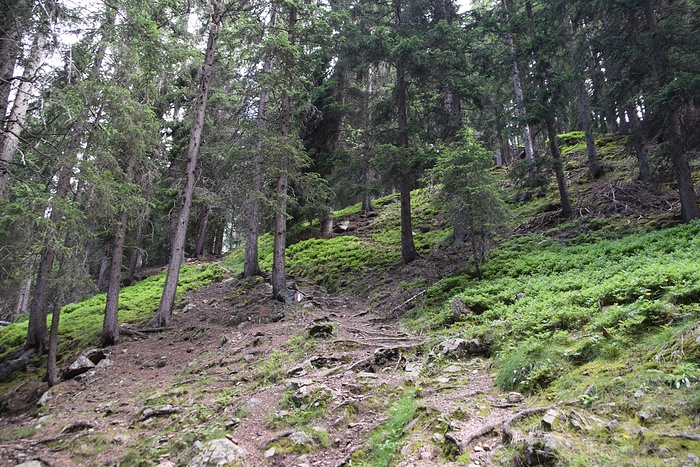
(397, 308)
(159, 412)
(277, 437)
(687, 436)
(504, 424)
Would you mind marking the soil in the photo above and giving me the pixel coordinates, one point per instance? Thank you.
(205, 371)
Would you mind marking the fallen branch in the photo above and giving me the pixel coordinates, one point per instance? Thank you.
(159, 412)
(687, 436)
(407, 302)
(277, 437)
(504, 424)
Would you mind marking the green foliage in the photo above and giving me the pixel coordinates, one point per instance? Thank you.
(81, 323)
(385, 440)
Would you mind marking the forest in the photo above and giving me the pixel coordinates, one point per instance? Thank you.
(138, 137)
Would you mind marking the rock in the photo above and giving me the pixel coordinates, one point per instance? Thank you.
(693, 459)
(459, 308)
(78, 367)
(44, 398)
(514, 397)
(438, 438)
(638, 394)
(578, 421)
(95, 355)
(541, 449)
(612, 425)
(549, 418)
(453, 369)
(365, 374)
(644, 416)
(269, 453)
(297, 383)
(459, 348)
(219, 452)
(321, 330)
(296, 371)
(189, 307)
(301, 438)
(31, 464)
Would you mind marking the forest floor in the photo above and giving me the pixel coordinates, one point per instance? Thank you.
(222, 369)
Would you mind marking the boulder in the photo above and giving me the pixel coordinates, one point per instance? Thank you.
(541, 449)
(82, 365)
(218, 452)
(459, 348)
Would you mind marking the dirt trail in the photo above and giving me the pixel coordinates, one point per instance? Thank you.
(222, 370)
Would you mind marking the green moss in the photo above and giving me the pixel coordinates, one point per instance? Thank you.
(81, 322)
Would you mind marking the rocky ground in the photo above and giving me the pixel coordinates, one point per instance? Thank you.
(302, 384)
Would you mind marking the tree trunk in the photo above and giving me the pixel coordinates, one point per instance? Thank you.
(202, 232)
(408, 248)
(177, 252)
(519, 96)
(327, 224)
(566, 208)
(110, 325)
(135, 259)
(9, 52)
(15, 122)
(684, 177)
(51, 364)
(251, 264)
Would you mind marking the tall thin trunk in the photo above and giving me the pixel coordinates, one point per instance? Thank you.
(251, 264)
(566, 208)
(110, 325)
(9, 53)
(177, 252)
(408, 248)
(519, 96)
(594, 168)
(684, 176)
(367, 167)
(202, 231)
(279, 279)
(15, 122)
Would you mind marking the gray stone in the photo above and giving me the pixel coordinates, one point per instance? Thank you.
(301, 438)
(95, 355)
(78, 367)
(44, 399)
(578, 421)
(321, 330)
(549, 418)
(459, 308)
(612, 425)
(218, 452)
(638, 394)
(31, 464)
(269, 453)
(514, 397)
(541, 449)
(459, 348)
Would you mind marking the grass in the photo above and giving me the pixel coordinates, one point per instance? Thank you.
(81, 322)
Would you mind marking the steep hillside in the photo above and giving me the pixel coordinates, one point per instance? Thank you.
(579, 344)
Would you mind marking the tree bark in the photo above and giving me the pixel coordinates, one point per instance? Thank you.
(279, 278)
(679, 156)
(15, 122)
(202, 232)
(408, 248)
(566, 208)
(519, 96)
(110, 324)
(167, 301)
(251, 264)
